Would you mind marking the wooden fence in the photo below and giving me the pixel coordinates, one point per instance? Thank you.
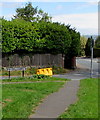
(35, 60)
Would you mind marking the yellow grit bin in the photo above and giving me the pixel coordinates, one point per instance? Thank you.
(45, 71)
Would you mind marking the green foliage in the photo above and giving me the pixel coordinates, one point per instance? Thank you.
(20, 36)
(31, 14)
(1, 35)
(56, 36)
(33, 31)
(97, 42)
(42, 16)
(26, 13)
(88, 47)
(96, 52)
(34, 78)
(8, 41)
(31, 71)
(83, 41)
(75, 46)
(58, 70)
(40, 76)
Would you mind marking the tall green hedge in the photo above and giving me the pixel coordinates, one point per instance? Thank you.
(43, 37)
(18, 35)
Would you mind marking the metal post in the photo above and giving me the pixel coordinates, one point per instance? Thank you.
(91, 69)
(9, 74)
(91, 72)
(22, 73)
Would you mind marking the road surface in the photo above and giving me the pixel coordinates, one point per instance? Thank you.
(86, 64)
(83, 69)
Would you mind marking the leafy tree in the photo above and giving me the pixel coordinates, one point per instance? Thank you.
(97, 42)
(75, 47)
(26, 13)
(42, 16)
(31, 14)
(83, 41)
(88, 47)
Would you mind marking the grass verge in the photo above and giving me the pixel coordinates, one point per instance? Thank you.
(20, 100)
(87, 105)
(32, 79)
(31, 71)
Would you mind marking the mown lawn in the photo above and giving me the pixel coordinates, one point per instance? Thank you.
(87, 104)
(20, 100)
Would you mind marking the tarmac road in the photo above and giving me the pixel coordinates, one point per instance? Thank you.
(86, 64)
(83, 69)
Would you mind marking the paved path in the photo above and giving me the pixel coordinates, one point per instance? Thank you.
(56, 103)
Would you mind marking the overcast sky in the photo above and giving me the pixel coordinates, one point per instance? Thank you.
(83, 15)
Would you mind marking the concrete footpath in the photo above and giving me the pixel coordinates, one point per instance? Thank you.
(56, 103)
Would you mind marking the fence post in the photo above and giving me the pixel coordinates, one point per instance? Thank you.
(9, 74)
(22, 73)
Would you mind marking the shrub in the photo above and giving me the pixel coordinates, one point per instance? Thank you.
(96, 52)
(31, 70)
(97, 42)
(40, 76)
(58, 70)
(87, 47)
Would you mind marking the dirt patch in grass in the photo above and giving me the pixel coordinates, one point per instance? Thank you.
(8, 100)
(3, 104)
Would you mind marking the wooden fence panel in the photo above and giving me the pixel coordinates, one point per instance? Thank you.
(36, 60)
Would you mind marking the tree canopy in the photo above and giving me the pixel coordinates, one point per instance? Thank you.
(32, 31)
(97, 42)
(83, 41)
(31, 14)
(88, 47)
